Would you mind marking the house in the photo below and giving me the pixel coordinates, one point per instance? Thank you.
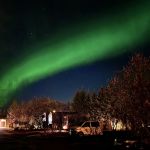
(3, 123)
(3, 119)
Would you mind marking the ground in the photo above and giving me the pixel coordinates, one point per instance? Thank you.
(33, 140)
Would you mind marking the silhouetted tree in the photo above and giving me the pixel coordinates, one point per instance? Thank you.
(81, 102)
(129, 93)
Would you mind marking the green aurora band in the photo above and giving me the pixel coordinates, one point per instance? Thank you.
(92, 40)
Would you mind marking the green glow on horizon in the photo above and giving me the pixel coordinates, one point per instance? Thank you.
(96, 42)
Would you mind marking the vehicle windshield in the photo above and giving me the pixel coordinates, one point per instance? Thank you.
(78, 123)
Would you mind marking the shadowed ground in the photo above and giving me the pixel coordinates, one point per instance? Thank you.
(32, 140)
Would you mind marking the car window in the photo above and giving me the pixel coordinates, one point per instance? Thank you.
(95, 124)
(87, 124)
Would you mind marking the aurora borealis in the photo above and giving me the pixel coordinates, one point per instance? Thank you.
(80, 44)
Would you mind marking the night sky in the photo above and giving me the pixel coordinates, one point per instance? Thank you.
(55, 47)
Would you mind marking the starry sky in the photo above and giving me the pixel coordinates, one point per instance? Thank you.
(55, 47)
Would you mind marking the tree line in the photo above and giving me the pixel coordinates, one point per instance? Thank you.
(126, 96)
(30, 113)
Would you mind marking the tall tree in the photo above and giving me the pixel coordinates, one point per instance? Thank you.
(81, 102)
(130, 92)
